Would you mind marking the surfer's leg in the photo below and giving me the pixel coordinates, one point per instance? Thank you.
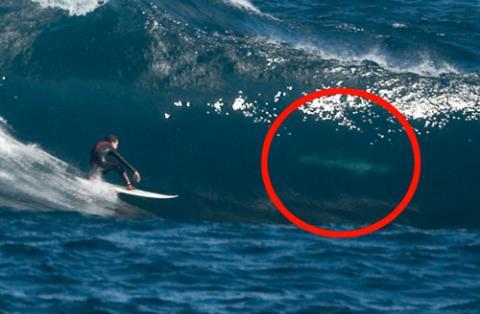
(94, 172)
(120, 169)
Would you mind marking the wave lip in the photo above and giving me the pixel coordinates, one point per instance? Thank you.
(74, 7)
(243, 4)
(421, 64)
(248, 6)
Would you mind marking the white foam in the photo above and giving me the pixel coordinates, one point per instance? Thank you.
(218, 105)
(349, 27)
(421, 63)
(74, 7)
(399, 25)
(426, 100)
(248, 6)
(239, 104)
(244, 4)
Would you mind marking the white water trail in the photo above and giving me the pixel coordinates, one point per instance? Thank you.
(31, 178)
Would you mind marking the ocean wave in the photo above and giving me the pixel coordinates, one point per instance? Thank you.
(172, 52)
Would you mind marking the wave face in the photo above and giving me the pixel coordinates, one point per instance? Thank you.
(191, 87)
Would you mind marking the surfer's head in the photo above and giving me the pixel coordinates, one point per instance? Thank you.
(113, 140)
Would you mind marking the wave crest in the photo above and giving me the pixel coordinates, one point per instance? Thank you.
(74, 7)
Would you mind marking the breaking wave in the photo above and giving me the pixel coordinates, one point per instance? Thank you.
(31, 178)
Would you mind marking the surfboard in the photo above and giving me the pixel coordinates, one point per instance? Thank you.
(124, 190)
(141, 193)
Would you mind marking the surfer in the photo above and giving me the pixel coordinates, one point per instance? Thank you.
(104, 158)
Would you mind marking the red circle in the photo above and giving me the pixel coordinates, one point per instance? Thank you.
(346, 233)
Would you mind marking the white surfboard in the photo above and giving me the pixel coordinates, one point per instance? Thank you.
(124, 190)
(140, 193)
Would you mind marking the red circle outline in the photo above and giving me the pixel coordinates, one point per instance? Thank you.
(346, 233)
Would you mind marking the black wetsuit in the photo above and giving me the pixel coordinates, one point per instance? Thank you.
(104, 158)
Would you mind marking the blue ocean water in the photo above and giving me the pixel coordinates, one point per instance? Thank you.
(64, 262)
(190, 88)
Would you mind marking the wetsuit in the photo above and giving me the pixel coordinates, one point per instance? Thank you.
(104, 158)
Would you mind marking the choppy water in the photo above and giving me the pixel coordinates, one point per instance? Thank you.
(190, 87)
(71, 263)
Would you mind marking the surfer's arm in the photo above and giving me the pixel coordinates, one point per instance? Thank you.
(123, 161)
